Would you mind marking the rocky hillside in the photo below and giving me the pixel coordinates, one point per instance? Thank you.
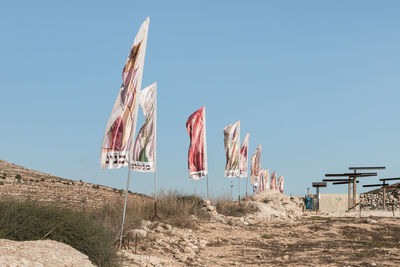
(20, 182)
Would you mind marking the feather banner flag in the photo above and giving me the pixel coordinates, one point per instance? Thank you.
(281, 179)
(244, 149)
(197, 158)
(266, 179)
(255, 166)
(121, 125)
(144, 149)
(261, 180)
(232, 149)
(273, 181)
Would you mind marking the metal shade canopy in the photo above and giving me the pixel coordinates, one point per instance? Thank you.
(348, 182)
(365, 174)
(367, 168)
(319, 184)
(337, 180)
(389, 179)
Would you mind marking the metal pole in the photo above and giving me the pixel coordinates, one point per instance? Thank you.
(231, 191)
(349, 195)
(384, 195)
(246, 185)
(239, 189)
(155, 195)
(208, 197)
(354, 190)
(124, 212)
(317, 188)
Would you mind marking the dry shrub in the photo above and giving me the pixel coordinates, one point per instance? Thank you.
(23, 220)
(233, 208)
(172, 207)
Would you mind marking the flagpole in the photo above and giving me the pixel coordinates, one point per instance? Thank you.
(239, 167)
(124, 212)
(155, 157)
(239, 189)
(208, 197)
(155, 195)
(246, 184)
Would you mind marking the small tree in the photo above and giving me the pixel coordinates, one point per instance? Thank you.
(18, 177)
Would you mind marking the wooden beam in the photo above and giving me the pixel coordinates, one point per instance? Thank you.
(365, 174)
(367, 168)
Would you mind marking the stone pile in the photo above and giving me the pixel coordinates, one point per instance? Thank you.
(173, 246)
(375, 200)
(273, 204)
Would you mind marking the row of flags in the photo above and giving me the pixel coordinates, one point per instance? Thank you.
(119, 149)
(236, 155)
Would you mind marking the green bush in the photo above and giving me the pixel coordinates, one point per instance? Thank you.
(27, 220)
(18, 177)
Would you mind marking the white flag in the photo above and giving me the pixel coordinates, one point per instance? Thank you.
(144, 150)
(232, 149)
(121, 126)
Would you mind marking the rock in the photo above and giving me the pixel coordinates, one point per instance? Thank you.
(286, 257)
(145, 223)
(180, 257)
(159, 229)
(211, 208)
(188, 250)
(193, 218)
(258, 256)
(40, 253)
(167, 227)
(205, 202)
(139, 232)
(203, 243)
(368, 220)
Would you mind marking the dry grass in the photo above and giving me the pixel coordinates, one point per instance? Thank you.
(24, 220)
(172, 207)
(232, 208)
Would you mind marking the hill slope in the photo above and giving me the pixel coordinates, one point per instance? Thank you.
(21, 182)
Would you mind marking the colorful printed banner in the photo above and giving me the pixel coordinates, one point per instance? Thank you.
(273, 181)
(232, 149)
(255, 166)
(144, 149)
(244, 149)
(121, 126)
(281, 179)
(266, 179)
(261, 180)
(197, 159)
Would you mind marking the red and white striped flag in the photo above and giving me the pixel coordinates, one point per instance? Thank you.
(281, 179)
(255, 167)
(273, 181)
(266, 179)
(244, 150)
(261, 188)
(197, 156)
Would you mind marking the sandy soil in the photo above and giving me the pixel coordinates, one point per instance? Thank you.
(308, 241)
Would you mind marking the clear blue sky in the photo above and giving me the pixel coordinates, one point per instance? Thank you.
(316, 83)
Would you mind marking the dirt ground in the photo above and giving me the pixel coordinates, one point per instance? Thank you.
(307, 241)
(310, 241)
